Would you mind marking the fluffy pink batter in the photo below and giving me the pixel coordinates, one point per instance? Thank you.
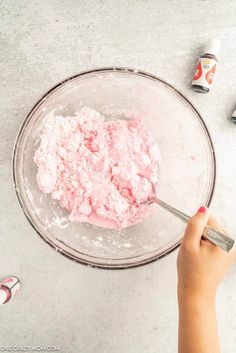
(96, 168)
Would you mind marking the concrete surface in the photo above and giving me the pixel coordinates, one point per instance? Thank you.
(62, 303)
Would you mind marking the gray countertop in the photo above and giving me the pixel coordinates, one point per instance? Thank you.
(62, 303)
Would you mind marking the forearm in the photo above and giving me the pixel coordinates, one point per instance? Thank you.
(197, 325)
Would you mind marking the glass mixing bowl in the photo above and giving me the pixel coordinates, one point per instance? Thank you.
(187, 171)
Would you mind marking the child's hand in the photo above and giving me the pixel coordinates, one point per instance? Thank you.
(201, 265)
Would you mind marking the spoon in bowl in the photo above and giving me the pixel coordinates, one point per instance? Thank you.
(213, 235)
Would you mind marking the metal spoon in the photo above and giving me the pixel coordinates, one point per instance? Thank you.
(213, 235)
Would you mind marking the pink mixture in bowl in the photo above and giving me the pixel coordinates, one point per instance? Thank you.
(97, 168)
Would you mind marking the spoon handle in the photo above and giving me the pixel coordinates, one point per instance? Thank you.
(213, 235)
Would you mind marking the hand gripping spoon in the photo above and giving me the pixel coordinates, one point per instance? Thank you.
(213, 235)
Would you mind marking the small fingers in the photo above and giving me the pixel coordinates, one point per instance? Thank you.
(195, 227)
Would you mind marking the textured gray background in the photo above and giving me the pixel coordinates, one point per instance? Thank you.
(42, 42)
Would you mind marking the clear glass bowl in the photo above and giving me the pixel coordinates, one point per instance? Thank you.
(187, 172)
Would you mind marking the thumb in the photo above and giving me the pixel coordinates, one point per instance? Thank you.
(195, 227)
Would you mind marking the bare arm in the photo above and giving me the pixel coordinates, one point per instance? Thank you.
(197, 326)
(201, 267)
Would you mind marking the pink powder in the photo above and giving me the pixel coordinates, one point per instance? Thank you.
(96, 168)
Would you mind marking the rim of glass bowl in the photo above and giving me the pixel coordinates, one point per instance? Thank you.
(82, 258)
